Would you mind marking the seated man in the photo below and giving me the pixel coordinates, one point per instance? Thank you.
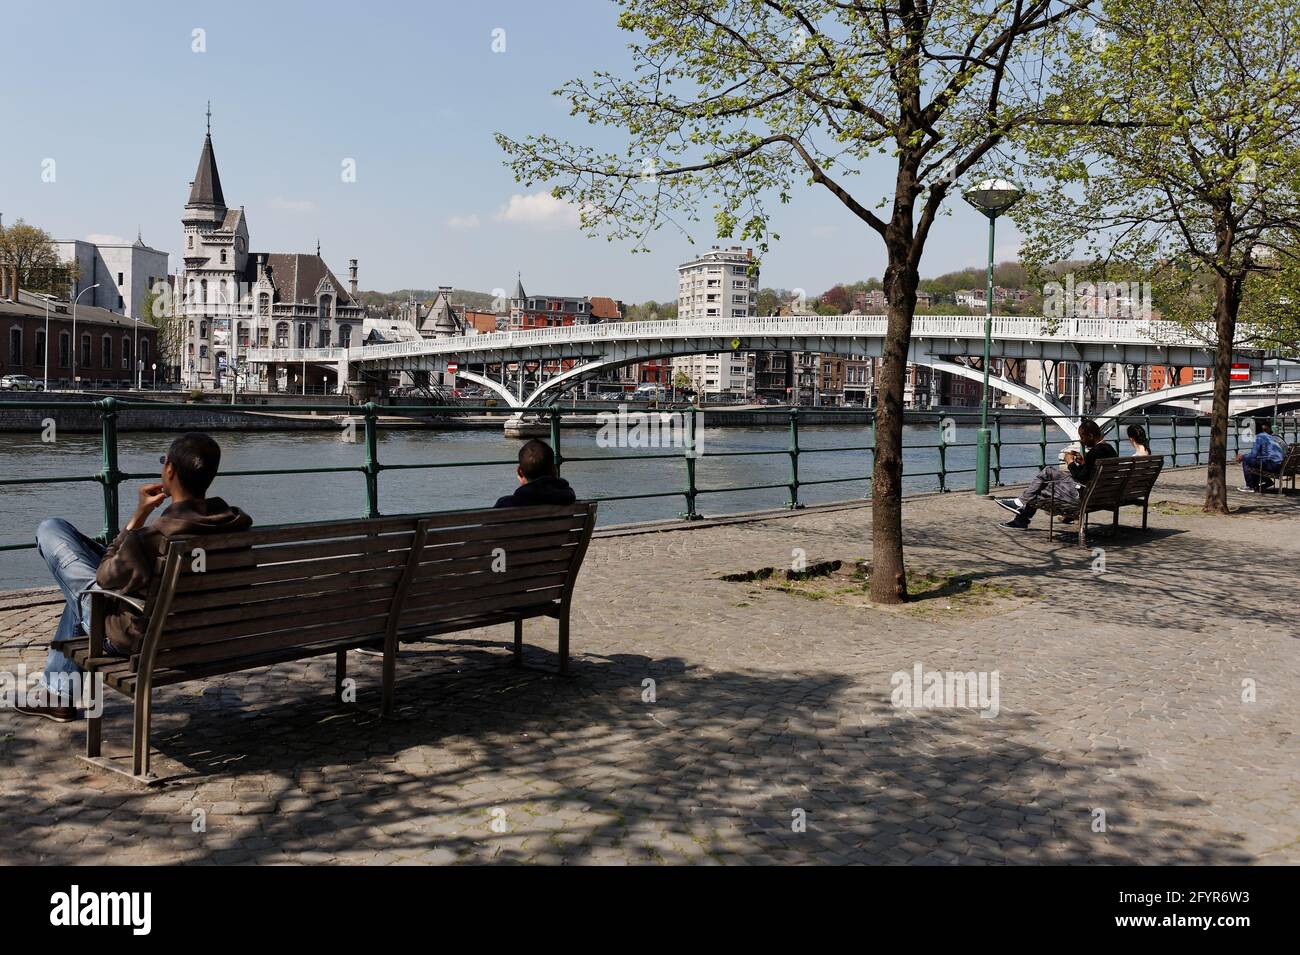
(1265, 455)
(538, 482)
(1057, 486)
(128, 563)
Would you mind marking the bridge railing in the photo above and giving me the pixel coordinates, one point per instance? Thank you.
(1028, 328)
(1186, 442)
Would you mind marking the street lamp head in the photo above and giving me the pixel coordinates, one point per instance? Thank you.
(993, 196)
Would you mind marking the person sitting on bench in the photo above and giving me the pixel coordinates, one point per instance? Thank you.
(1265, 455)
(127, 564)
(538, 482)
(1057, 487)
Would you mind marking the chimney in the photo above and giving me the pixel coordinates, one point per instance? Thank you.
(352, 275)
(261, 266)
(4, 281)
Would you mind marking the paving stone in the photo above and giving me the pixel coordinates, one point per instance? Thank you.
(767, 702)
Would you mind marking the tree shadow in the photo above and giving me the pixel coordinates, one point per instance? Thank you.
(721, 766)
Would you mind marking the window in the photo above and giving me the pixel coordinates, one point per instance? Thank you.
(16, 347)
(65, 349)
(323, 307)
(119, 279)
(127, 362)
(223, 256)
(345, 336)
(282, 335)
(144, 353)
(191, 329)
(264, 304)
(191, 242)
(119, 302)
(241, 337)
(203, 329)
(106, 352)
(203, 291)
(40, 344)
(263, 337)
(324, 338)
(84, 359)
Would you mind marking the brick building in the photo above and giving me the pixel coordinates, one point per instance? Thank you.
(108, 343)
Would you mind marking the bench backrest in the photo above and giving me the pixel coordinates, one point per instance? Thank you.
(501, 563)
(274, 588)
(1117, 481)
(278, 589)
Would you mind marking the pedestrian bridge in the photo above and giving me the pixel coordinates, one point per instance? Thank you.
(531, 367)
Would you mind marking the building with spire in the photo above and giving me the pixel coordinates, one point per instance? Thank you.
(233, 298)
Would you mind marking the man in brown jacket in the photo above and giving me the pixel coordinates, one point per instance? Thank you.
(128, 564)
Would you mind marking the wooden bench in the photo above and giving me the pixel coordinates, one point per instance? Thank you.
(1289, 468)
(233, 602)
(1115, 483)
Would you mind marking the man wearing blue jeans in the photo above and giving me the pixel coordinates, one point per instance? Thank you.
(126, 565)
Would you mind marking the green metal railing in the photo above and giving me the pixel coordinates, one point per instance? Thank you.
(111, 477)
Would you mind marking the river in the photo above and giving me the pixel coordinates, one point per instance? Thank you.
(306, 497)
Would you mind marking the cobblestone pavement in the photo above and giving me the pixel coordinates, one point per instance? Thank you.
(1120, 691)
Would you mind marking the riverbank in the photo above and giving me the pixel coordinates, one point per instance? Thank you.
(703, 715)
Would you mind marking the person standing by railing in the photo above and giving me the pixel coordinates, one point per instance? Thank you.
(1137, 437)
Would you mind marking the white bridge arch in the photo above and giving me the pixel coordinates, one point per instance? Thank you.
(577, 352)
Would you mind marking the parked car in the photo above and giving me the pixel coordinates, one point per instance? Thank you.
(20, 383)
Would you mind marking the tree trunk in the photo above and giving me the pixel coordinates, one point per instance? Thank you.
(888, 578)
(1226, 302)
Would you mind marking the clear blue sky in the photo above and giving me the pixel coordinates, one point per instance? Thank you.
(114, 94)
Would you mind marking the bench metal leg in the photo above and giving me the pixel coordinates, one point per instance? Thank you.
(140, 758)
(519, 643)
(94, 724)
(564, 641)
(390, 677)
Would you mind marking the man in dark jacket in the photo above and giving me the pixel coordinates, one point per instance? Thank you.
(128, 564)
(538, 482)
(1060, 487)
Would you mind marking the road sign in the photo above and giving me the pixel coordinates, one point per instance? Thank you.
(735, 343)
(451, 367)
(1240, 372)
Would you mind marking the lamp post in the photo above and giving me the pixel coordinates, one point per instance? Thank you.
(991, 197)
(47, 343)
(75, 344)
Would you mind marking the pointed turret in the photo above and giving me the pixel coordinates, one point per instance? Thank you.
(205, 191)
(519, 287)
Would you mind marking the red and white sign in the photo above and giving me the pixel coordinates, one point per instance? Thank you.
(451, 367)
(1240, 372)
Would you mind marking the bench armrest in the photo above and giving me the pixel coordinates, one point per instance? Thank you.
(96, 590)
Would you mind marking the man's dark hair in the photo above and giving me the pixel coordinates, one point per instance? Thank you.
(196, 457)
(1089, 429)
(536, 459)
(1263, 424)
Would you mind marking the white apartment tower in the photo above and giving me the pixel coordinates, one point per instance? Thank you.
(720, 284)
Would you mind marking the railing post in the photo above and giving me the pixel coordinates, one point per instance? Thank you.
(1173, 439)
(1042, 442)
(372, 459)
(1198, 438)
(1146, 421)
(110, 477)
(794, 458)
(555, 439)
(997, 449)
(943, 463)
